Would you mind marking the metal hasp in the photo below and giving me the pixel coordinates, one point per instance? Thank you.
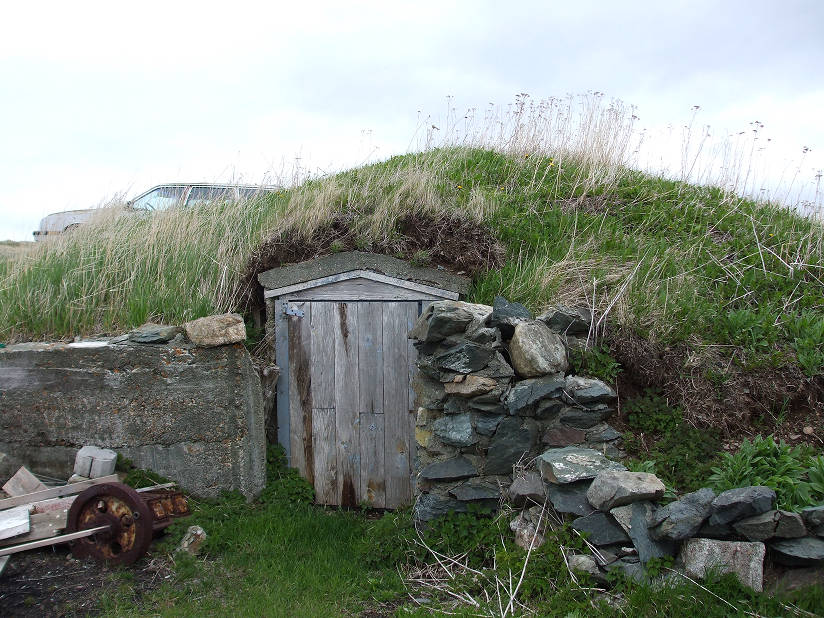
(292, 310)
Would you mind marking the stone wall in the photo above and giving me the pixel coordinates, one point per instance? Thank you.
(492, 392)
(192, 414)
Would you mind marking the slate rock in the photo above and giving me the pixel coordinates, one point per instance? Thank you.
(570, 464)
(734, 504)
(506, 315)
(563, 436)
(717, 531)
(567, 320)
(215, 330)
(806, 551)
(537, 351)
(453, 469)
(431, 506)
(473, 491)
(744, 559)
(683, 518)
(586, 391)
(772, 524)
(455, 429)
(440, 320)
(485, 336)
(465, 357)
(813, 517)
(154, 333)
(583, 418)
(797, 579)
(602, 433)
(602, 529)
(581, 563)
(511, 442)
(570, 498)
(470, 386)
(497, 368)
(527, 488)
(429, 393)
(455, 405)
(548, 408)
(524, 395)
(486, 424)
(612, 488)
(634, 518)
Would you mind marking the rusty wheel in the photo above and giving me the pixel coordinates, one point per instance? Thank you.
(122, 509)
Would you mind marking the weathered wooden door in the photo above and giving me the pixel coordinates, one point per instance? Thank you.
(350, 400)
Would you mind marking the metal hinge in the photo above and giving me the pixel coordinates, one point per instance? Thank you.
(292, 310)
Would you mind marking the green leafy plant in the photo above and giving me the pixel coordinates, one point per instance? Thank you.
(651, 413)
(284, 484)
(792, 472)
(596, 362)
(806, 334)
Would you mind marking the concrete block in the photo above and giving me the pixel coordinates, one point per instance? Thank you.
(94, 462)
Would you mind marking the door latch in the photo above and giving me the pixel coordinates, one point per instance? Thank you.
(292, 310)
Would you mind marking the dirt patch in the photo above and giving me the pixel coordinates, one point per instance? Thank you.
(51, 582)
(456, 244)
(715, 392)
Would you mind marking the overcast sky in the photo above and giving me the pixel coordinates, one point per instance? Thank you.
(113, 97)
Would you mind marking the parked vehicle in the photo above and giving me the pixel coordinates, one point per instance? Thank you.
(157, 198)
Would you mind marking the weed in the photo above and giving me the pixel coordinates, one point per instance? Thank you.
(596, 362)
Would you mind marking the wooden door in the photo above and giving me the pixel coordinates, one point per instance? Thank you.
(350, 402)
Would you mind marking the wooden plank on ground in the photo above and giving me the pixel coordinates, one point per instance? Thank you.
(23, 482)
(56, 492)
(396, 405)
(325, 455)
(300, 391)
(370, 357)
(372, 474)
(41, 526)
(14, 522)
(347, 399)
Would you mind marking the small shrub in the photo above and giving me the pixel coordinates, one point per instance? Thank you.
(596, 362)
(284, 484)
(794, 474)
(651, 413)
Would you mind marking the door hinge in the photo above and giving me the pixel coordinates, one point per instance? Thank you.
(292, 310)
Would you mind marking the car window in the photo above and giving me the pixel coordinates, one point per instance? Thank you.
(160, 199)
(204, 195)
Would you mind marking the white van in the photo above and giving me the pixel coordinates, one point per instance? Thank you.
(160, 197)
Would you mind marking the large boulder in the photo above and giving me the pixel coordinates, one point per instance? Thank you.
(682, 519)
(506, 315)
(744, 559)
(613, 488)
(455, 429)
(570, 464)
(215, 330)
(772, 524)
(601, 529)
(573, 321)
(453, 469)
(524, 395)
(806, 551)
(513, 439)
(537, 351)
(734, 504)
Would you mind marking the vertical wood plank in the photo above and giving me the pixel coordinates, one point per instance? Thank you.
(373, 480)
(325, 461)
(282, 360)
(396, 404)
(346, 402)
(300, 391)
(370, 357)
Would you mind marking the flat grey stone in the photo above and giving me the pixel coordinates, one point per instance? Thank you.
(806, 551)
(513, 439)
(536, 351)
(602, 529)
(683, 518)
(440, 320)
(557, 437)
(588, 566)
(506, 315)
(744, 559)
(734, 504)
(602, 433)
(583, 418)
(722, 532)
(567, 320)
(473, 491)
(813, 517)
(497, 368)
(570, 498)
(586, 391)
(486, 424)
(154, 333)
(570, 464)
(453, 469)
(464, 358)
(525, 394)
(612, 488)
(634, 518)
(772, 524)
(527, 487)
(431, 506)
(455, 429)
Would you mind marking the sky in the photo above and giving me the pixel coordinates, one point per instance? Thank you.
(99, 99)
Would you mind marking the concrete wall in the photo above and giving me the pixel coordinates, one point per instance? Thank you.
(194, 415)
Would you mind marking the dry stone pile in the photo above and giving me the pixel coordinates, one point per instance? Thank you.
(494, 400)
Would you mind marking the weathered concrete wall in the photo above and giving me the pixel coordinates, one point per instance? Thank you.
(192, 414)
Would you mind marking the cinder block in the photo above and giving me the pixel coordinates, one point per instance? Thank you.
(93, 462)
(83, 461)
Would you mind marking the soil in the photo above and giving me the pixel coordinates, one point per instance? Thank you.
(51, 582)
